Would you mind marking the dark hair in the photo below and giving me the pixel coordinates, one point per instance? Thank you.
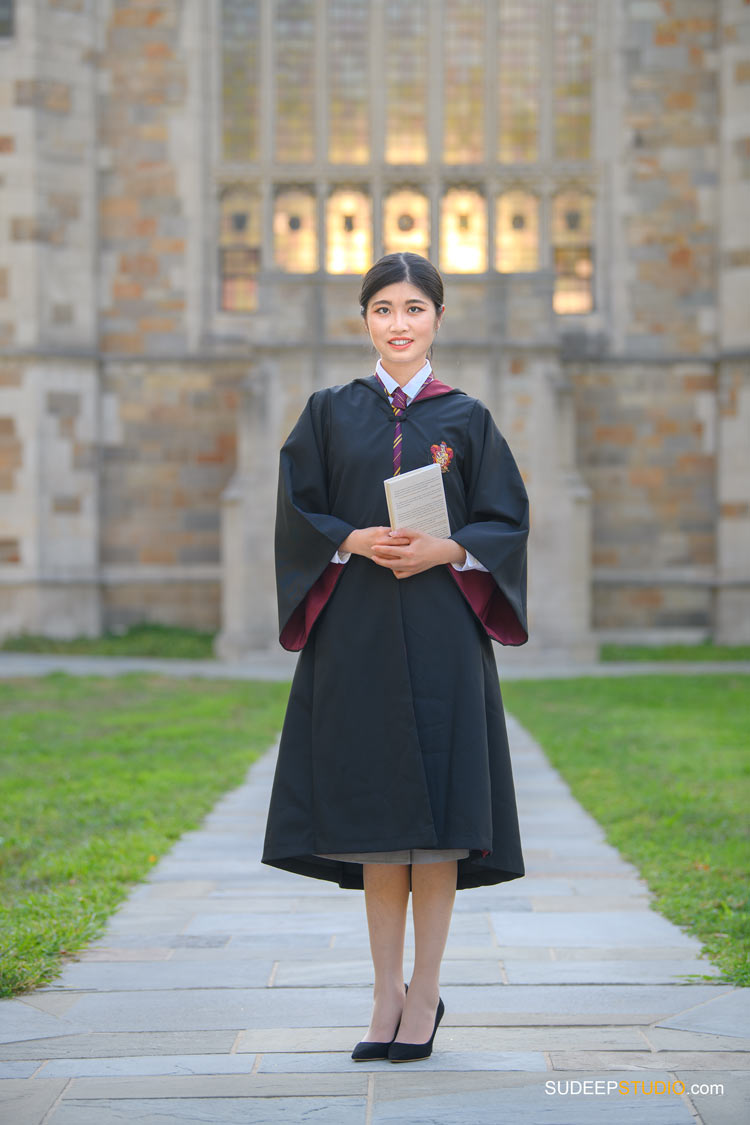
(402, 267)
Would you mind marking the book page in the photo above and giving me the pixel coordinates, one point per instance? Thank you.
(417, 500)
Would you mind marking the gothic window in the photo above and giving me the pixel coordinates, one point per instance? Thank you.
(573, 256)
(405, 73)
(349, 227)
(239, 79)
(406, 222)
(572, 68)
(295, 230)
(463, 85)
(518, 70)
(463, 231)
(239, 249)
(490, 99)
(347, 41)
(516, 232)
(294, 69)
(6, 19)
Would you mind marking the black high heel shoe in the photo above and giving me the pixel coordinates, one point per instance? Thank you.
(366, 1051)
(411, 1052)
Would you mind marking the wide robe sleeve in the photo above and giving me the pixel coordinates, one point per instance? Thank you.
(496, 532)
(307, 534)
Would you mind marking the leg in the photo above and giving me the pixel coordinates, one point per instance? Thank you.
(386, 899)
(433, 893)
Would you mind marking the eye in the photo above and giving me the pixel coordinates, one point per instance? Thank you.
(416, 308)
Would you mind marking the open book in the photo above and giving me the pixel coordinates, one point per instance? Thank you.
(417, 500)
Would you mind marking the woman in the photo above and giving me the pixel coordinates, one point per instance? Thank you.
(393, 770)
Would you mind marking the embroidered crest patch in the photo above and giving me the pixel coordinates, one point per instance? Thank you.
(442, 455)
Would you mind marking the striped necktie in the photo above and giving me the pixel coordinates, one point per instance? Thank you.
(398, 405)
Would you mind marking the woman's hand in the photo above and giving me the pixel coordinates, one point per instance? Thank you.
(362, 541)
(407, 552)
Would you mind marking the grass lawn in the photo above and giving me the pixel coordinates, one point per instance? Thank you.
(139, 640)
(662, 762)
(99, 776)
(705, 651)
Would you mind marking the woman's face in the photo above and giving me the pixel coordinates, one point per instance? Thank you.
(402, 323)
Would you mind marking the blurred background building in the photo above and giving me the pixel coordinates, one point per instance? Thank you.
(189, 191)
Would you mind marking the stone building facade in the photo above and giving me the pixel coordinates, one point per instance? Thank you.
(188, 192)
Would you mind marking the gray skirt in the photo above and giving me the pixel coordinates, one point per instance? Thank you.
(411, 855)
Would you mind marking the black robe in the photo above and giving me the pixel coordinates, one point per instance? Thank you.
(394, 735)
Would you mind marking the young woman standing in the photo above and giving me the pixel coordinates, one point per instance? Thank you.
(393, 772)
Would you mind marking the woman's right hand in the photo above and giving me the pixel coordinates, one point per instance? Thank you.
(362, 541)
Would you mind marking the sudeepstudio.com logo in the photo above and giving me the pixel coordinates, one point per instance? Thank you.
(603, 1087)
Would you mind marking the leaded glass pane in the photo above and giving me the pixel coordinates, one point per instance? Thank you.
(573, 61)
(239, 78)
(294, 68)
(405, 66)
(572, 221)
(463, 89)
(295, 234)
(463, 231)
(239, 249)
(348, 122)
(406, 222)
(349, 223)
(518, 66)
(516, 232)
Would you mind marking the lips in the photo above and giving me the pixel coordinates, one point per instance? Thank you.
(400, 342)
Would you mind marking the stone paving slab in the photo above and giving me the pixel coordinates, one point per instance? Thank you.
(27, 1101)
(121, 1044)
(203, 1001)
(728, 1107)
(145, 976)
(529, 1103)
(605, 972)
(261, 1110)
(722, 1015)
(441, 1060)
(620, 927)
(510, 1038)
(277, 665)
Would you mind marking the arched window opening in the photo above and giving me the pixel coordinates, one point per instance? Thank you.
(572, 214)
(516, 232)
(295, 233)
(406, 222)
(463, 233)
(239, 249)
(349, 225)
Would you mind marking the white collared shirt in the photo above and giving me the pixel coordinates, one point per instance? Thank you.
(411, 390)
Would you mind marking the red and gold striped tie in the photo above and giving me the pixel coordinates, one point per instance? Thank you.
(398, 403)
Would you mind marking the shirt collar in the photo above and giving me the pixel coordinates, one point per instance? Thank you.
(413, 387)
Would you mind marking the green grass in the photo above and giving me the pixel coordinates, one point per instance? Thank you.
(139, 640)
(99, 777)
(705, 651)
(662, 763)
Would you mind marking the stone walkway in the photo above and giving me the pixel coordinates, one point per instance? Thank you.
(514, 664)
(227, 992)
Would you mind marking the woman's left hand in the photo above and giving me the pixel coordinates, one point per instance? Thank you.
(420, 553)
